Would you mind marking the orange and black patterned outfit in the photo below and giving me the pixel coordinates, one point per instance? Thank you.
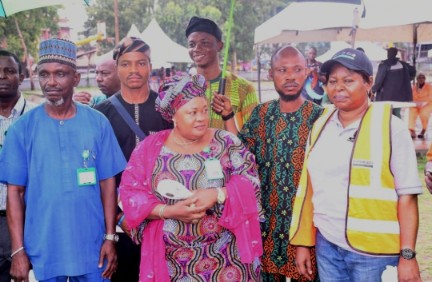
(278, 141)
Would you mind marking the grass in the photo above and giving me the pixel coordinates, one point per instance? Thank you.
(424, 245)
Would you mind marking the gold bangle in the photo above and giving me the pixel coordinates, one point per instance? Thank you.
(161, 212)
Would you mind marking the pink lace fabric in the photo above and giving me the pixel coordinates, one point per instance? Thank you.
(240, 214)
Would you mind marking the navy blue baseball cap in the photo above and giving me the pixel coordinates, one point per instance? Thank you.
(350, 58)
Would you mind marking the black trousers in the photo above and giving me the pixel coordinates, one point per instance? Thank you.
(128, 256)
(5, 265)
(5, 247)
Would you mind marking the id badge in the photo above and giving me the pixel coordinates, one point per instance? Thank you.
(213, 169)
(86, 176)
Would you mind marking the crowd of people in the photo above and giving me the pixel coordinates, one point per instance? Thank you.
(191, 183)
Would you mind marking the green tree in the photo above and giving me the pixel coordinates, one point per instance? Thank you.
(30, 24)
(138, 12)
(21, 34)
(175, 14)
(173, 17)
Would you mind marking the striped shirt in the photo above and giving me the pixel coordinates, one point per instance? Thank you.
(242, 95)
(22, 106)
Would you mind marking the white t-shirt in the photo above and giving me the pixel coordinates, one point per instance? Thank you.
(329, 164)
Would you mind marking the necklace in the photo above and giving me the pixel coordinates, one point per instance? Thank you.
(183, 143)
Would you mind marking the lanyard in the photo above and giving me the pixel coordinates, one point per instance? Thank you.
(23, 108)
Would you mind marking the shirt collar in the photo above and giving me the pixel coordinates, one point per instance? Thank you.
(335, 119)
(18, 108)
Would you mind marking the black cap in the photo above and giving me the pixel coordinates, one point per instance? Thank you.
(350, 58)
(203, 25)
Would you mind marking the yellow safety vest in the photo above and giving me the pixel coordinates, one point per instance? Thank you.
(372, 224)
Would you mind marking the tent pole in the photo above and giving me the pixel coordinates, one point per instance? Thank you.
(354, 27)
(353, 34)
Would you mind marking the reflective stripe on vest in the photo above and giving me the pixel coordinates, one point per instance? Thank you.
(372, 225)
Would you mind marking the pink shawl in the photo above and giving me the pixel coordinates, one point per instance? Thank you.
(240, 214)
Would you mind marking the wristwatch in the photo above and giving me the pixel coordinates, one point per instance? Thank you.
(228, 116)
(220, 196)
(111, 237)
(407, 254)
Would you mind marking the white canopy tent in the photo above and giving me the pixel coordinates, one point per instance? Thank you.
(404, 21)
(384, 21)
(309, 22)
(163, 49)
(374, 51)
(396, 21)
(134, 32)
(372, 20)
(157, 62)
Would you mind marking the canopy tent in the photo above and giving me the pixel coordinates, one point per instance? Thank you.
(305, 21)
(405, 21)
(326, 21)
(402, 21)
(309, 22)
(134, 32)
(349, 20)
(163, 49)
(157, 62)
(374, 52)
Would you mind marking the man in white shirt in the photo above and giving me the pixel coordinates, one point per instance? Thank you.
(12, 106)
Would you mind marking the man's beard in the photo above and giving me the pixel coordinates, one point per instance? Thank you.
(289, 98)
(56, 103)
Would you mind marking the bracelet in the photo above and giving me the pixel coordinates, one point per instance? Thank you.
(17, 251)
(161, 212)
(119, 223)
(228, 116)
